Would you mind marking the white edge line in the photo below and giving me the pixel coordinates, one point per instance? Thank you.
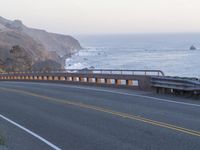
(143, 96)
(121, 93)
(31, 133)
(128, 94)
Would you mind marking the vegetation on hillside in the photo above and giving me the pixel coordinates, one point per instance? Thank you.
(19, 59)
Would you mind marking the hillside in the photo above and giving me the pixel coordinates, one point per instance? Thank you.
(39, 45)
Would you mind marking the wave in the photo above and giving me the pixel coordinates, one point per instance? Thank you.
(172, 62)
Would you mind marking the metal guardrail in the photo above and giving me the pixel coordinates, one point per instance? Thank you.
(98, 71)
(177, 84)
(137, 79)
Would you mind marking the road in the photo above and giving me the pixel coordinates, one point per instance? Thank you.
(42, 116)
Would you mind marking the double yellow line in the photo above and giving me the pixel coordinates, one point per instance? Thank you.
(108, 111)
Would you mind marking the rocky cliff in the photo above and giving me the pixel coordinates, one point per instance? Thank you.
(37, 45)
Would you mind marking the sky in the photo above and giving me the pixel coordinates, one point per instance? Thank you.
(105, 16)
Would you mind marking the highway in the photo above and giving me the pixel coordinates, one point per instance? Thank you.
(45, 116)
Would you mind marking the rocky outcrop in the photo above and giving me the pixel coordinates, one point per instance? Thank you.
(11, 38)
(37, 45)
(193, 47)
(62, 44)
(47, 65)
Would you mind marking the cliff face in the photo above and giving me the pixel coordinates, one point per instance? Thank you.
(39, 45)
(62, 44)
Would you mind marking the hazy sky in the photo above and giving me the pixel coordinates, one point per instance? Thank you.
(105, 16)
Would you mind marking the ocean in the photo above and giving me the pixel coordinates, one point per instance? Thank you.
(167, 52)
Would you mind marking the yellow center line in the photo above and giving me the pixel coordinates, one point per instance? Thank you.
(109, 111)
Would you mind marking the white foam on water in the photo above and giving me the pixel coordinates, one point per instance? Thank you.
(170, 54)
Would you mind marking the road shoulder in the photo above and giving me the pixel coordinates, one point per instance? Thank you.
(15, 138)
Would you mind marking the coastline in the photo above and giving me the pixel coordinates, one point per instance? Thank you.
(167, 52)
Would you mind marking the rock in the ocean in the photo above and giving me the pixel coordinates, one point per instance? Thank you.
(193, 47)
(92, 67)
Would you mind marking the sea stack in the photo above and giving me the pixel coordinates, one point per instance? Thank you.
(193, 47)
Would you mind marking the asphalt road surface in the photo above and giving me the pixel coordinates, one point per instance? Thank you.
(42, 116)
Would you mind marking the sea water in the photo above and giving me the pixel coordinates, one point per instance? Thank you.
(167, 52)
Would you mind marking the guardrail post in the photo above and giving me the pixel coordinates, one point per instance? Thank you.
(62, 78)
(45, 78)
(50, 78)
(69, 78)
(118, 82)
(98, 81)
(130, 82)
(157, 90)
(82, 79)
(108, 81)
(56, 78)
(35, 77)
(75, 79)
(92, 80)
